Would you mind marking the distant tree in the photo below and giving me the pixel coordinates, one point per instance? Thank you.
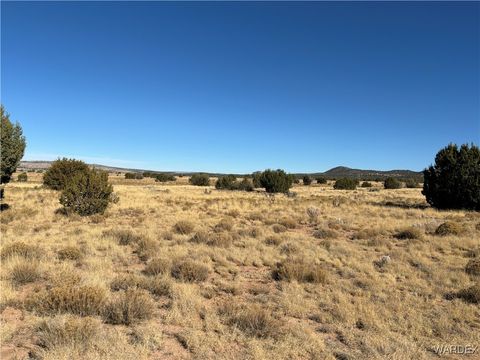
(321, 180)
(345, 184)
(245, 185)
(12, 147)
(276, 181)
(392, 183)
(366, 184)
(62, 171)
(200, 180)
(226, 182)
(256, 179)
(134, 176)
(164, 177)
(87, 193)
(411, 183)
(307, 180)
(453, 182)
(22, 177)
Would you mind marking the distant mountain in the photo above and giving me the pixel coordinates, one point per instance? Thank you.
(334, 173)
(342, 171)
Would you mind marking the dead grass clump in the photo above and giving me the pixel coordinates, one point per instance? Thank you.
(289, 248)
(124, 237)
(224, 225)
(366, 234)
(408, 234)
(78, 300)
(159, 286)
(129, 307)
(145, 248)
(21, 249)
(325, 234)
(300, 270)
(274, 240)
(156, 285)
(158, 266)
(67, 331)
(279, 228)
(471, 294)
(70, 253)
(473, 267)
(450, 228)
(189, 271)
(184, 227)
(127, 281)
(222, 239)
(24, 272)
(289, 223)
(253, 320)
(200, 237)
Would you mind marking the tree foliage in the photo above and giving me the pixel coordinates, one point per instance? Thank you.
(87, 193)
(134, 176)
(200, 180)
(22, 177)
(345, 184)
(12, 146)
(307, 180)
(62, 171)
(276, 181)
(453, 182)
(392, 183)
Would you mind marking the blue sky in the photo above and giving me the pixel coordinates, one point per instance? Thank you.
(238, 87)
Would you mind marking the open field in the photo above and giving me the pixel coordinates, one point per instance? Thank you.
(174, 271)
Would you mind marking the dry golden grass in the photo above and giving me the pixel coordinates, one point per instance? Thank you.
(174, 272)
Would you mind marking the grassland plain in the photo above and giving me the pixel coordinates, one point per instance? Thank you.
(176, 272)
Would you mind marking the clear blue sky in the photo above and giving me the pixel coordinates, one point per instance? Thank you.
(238, 87)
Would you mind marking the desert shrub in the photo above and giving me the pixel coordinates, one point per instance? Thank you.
(321, 180)
(189, 271)
(411, 183)
(199, 180)
(201, 237)
(279, 228)
(24, 271)
(392, 183)
(253, 320)
(129, 307)
(159, 286)
(365, 234)
(273, 240)
(245, 185)
(158, 266)
(307, 180)
(134, 176)
(22, 177)
(450, 228)
(345, 184)
(276, 181)
(473, 267)
(12, 145)
(164, 177)
(454, 181)
(289, 248)
(323, 233)
(366, 184)
(80, 300)
(70, 253)
(225, 224)
(256, 179)
(222, 239)
(471, 294)
(300, 270)
(409, 233)
(87, 193)
(183, 227)
(19, 248)
(62, 171)
(67, 330)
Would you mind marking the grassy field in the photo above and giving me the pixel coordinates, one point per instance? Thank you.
(177, 272)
